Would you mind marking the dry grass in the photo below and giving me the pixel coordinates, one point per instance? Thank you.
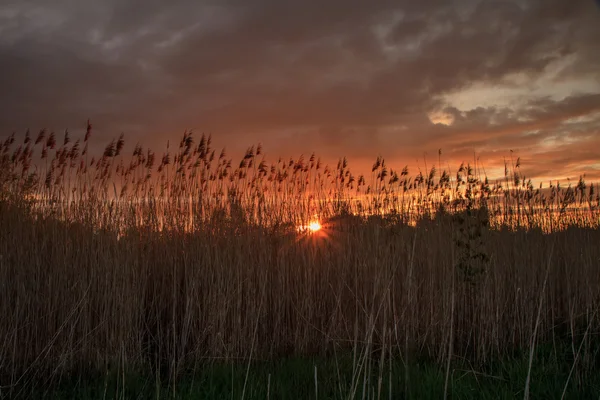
(105, 262)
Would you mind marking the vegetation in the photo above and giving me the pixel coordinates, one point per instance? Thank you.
(173, 269)
(334, 378)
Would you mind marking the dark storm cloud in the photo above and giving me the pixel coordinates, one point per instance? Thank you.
(340, 77)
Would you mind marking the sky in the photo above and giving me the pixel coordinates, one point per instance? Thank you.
(354, 78)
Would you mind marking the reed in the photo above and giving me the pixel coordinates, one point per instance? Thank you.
(160, 263)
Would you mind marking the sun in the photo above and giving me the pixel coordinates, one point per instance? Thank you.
(314, 226)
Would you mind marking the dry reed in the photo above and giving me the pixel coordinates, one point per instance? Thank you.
(109, 262)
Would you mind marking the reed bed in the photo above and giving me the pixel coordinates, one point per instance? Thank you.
(162, 263)
(192, 185)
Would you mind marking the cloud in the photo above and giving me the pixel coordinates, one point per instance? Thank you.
(341, 78)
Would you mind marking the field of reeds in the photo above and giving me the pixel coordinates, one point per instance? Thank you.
(169, 264)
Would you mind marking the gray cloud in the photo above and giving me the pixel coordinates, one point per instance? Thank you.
(349, 78)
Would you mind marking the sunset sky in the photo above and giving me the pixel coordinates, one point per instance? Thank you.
(400, 79)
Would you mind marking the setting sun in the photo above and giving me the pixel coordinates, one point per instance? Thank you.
(311, 227)
(314, 226)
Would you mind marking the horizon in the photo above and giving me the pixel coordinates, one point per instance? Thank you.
(55, 174)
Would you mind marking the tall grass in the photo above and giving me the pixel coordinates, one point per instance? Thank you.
(161, 264)
(188, 187)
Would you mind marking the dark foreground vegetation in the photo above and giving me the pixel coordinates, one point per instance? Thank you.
(335, 378)
(190, 280)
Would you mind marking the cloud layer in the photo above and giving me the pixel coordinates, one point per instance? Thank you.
(342, 78)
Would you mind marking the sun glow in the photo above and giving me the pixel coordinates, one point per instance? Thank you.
(314, 226)
(311, 227)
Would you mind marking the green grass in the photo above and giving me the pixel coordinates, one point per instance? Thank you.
(294, 378)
